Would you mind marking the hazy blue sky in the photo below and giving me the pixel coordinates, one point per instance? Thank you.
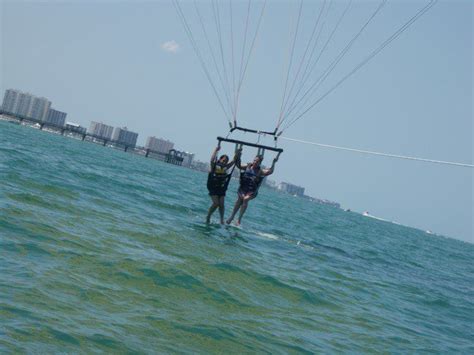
(131, 64)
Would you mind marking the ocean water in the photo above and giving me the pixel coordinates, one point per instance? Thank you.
(105, 251)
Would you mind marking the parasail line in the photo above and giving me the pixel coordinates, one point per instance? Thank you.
(317, 84)
(244, 43)
(374, 53)
(379, 153)
(252, 46)
(217, 22)
(290, 63)
(188, 31)
(225, 88)
(303, 58)
(321, 52)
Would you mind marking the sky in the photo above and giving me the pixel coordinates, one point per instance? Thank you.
(130, 63)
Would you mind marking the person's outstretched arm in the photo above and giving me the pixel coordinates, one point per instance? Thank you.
(235, 160)
(270, 171)
(214, 156)
(240, 165)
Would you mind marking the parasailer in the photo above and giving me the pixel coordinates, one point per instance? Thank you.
(218, 179)
(251, 177)
(313, 67)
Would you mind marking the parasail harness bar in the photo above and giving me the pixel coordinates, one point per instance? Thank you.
(255, 145)
(248, 130)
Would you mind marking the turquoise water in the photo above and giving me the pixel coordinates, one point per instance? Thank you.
(101, 250)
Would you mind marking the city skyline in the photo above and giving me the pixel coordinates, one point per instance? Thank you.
(28, 105)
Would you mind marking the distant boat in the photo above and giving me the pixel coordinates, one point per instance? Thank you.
(367, 214)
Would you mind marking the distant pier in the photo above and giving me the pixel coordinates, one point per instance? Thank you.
(172, 157)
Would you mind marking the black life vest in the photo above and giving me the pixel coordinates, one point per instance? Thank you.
(218, 179)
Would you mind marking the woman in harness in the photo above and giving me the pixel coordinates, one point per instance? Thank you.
(218, 181)
(251, 177)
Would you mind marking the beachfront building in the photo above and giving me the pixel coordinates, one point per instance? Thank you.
(125, 137)
(270, 183)
(24, 104)
(100, 130)
(159, 145)
(291, 189)
(74, 127)
(187, 159)
(201, 166)
(56, 117)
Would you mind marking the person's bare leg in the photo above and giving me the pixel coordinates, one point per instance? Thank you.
(221, 208)
(243, 208)
(215, 204)
(236, 208)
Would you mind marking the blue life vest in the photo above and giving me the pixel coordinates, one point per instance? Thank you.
(250, 179)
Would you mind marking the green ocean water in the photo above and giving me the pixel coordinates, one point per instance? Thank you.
(105, 251)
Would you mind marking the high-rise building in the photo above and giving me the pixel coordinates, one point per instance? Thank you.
(101, 130)
(24, 104)
(124, 136)
(39, 108)
(56, 117)
(159, 145)
(10, 100)
(291, 189)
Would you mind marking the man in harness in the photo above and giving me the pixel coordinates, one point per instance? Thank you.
(251, 177)
(218, 180)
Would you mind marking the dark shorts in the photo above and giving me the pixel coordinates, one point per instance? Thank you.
(216, 192)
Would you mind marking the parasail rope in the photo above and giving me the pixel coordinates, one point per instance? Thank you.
(189, 33)
(217, 22)
(243, 47)
(394, 36)
(315, 86)
(313, 65)
(303, 58)
(234, 110)
(379, 153)
(290, 64)
(252, 46)
(211, 51)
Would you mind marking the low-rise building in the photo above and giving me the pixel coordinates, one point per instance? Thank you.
(270, 183)
(291, 189)
(74, 127)
(200, 166)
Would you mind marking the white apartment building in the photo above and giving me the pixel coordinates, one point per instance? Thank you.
(25, 104)
(159, 145)
(101, 130)
(187, 159)
(291, 189)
